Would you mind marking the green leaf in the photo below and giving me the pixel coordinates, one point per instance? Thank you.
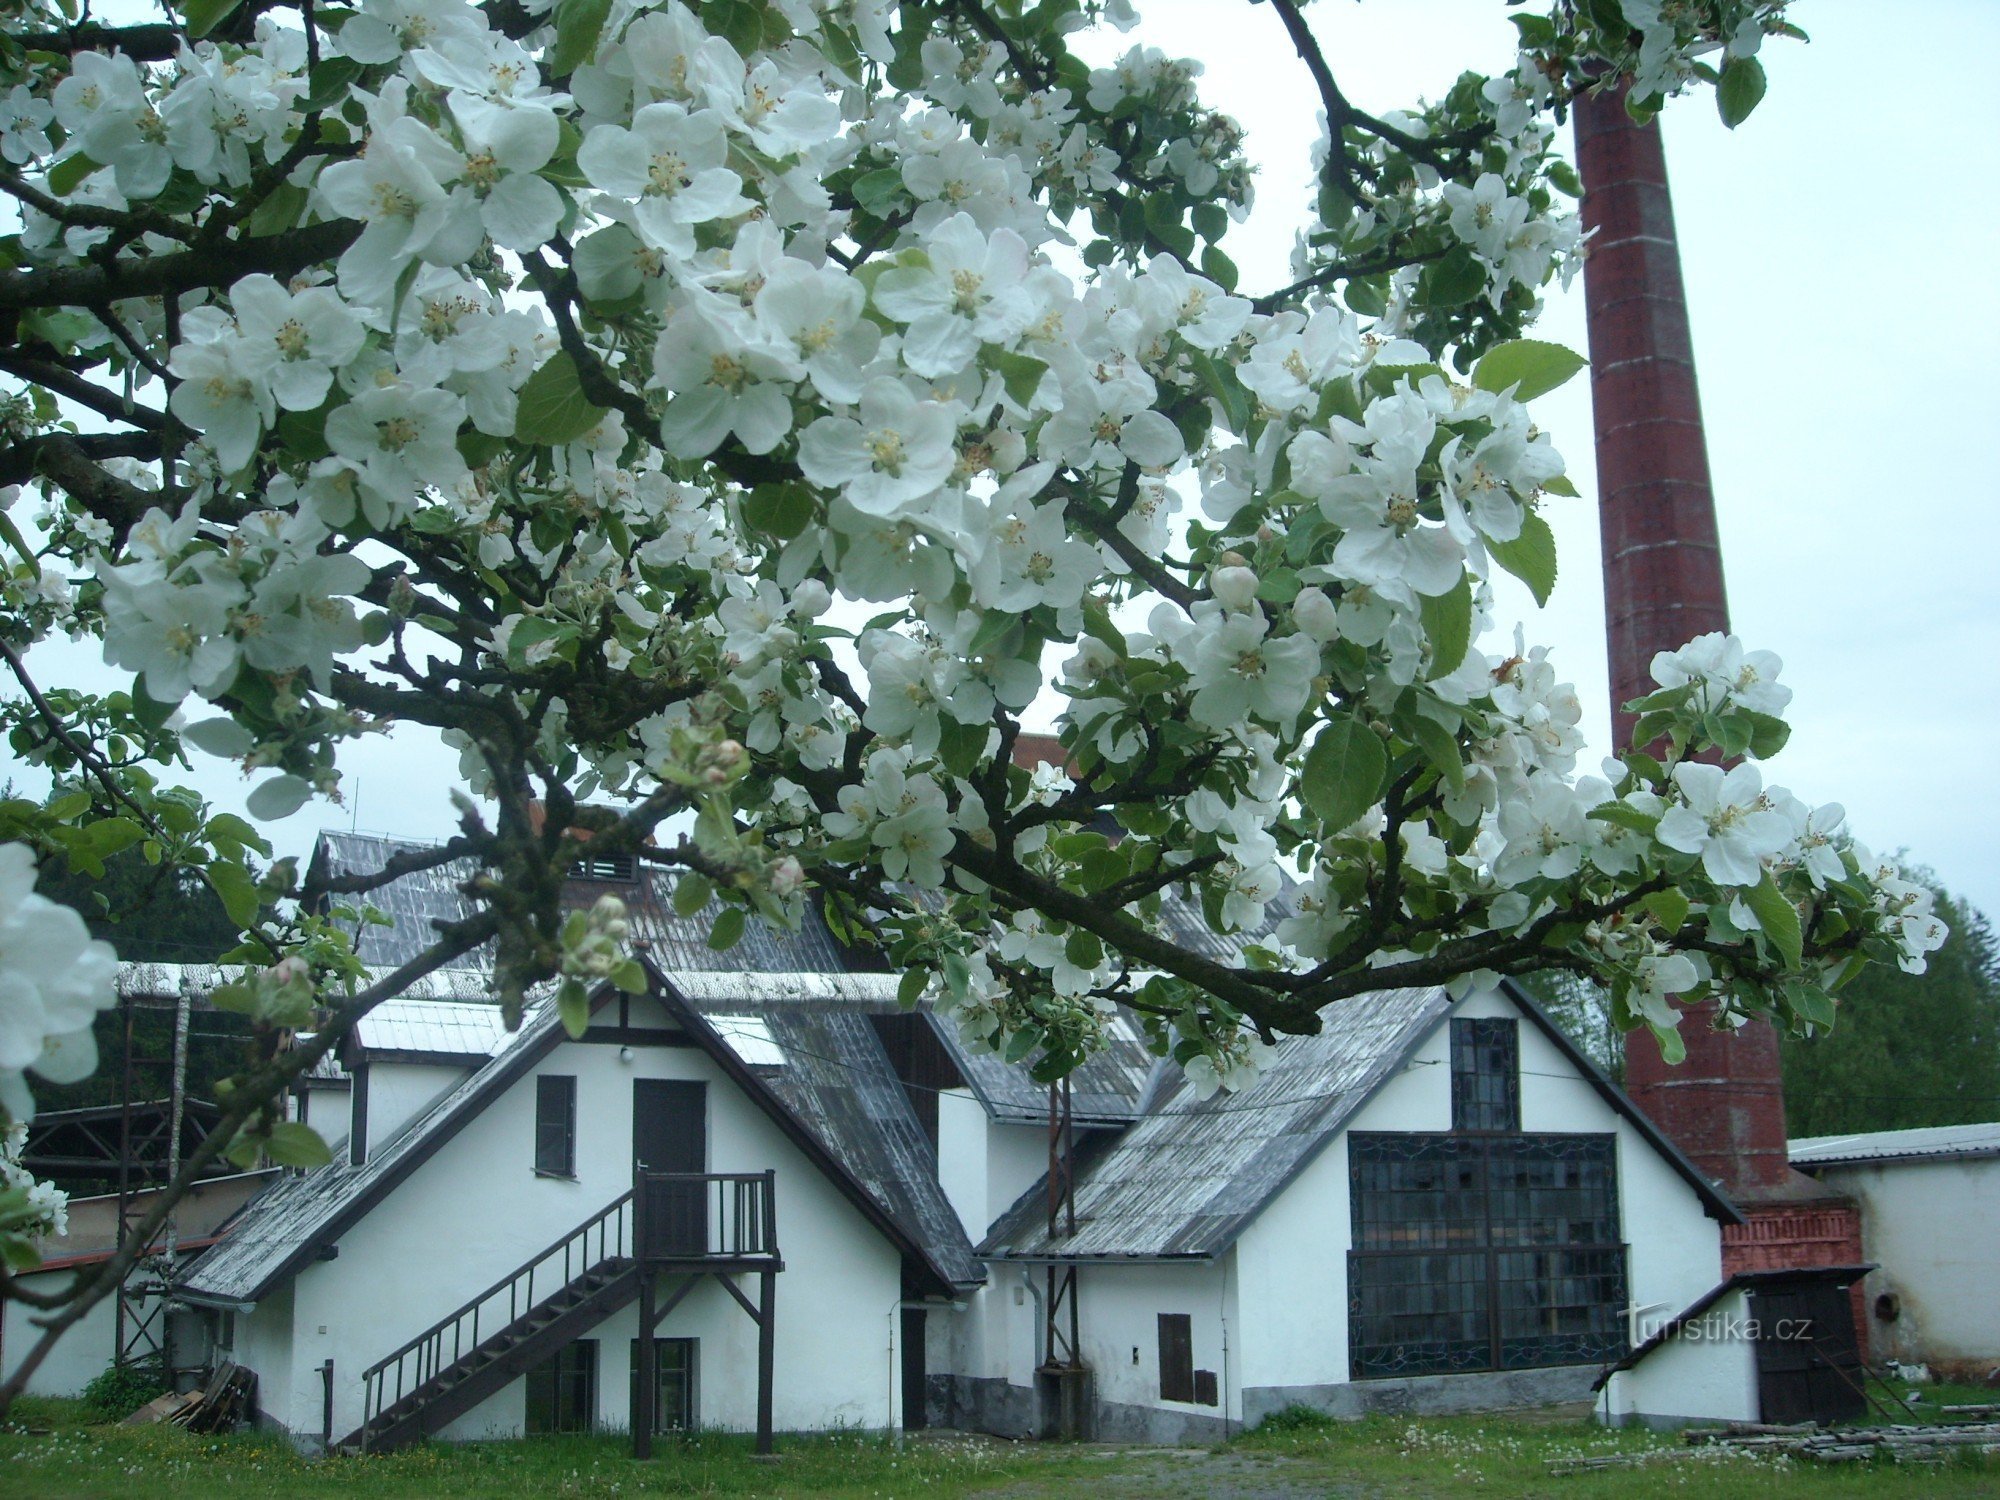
(912, 987)
(1529, 367)
(1530, 557)
(67, 173)
(1780, 919)
(1448, 622)
(579, 23)
(1023, 1042)
(1343, 772)
(728, 928)
(279, 797)
(203, 16)
(783, 510)
(293, 1144)
(1211, 221)
(329, 82)
(691, 893)
(573, 1005)
(553, 408)
(1021, 374)
(741, 21)
(1669, 909)
(1440, 747)
(236, 890)
(1768, 733)
(879, 191)
(1219, 268)
(1740, 91)
(1453, 281)
(630, 976)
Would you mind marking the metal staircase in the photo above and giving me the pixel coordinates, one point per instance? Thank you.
(499, 1335)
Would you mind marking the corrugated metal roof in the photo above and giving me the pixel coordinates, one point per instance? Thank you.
(472, 1030)
(1190, 1174)
(141, 981)
(677, 944)
(834, 1076)
(1106, 1090)
(1898, 1145)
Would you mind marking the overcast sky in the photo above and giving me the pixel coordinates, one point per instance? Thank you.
(1838, 256)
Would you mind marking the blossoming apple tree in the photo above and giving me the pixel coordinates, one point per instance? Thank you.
(741, 414)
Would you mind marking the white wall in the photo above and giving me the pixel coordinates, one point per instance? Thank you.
(1934, 1230)
(1121, 1306)
(84, 1351)
(1296, 1325)
(476, 1210)
(1707, 1372)
(398, 1093)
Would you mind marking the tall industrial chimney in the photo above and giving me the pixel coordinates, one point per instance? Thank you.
(1724, 1105)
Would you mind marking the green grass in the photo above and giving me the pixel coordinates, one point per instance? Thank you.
(53, 1452)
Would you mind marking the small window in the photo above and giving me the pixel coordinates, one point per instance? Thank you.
(619, 868)
(676, 1363)
(555, 1126)
(562, 1390)
(1176, 1357)
(1485, 1074)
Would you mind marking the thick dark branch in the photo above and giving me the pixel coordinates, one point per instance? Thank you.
(65, 462)
(1106, 531)
(107, 404)
(86, 216)
(154, 43)
(408, 862)
(1246, 993)
(602, 389)
(279, 255)
(23, 461)
(1326, 275)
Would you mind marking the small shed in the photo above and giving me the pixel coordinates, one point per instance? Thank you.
(1930, 1221)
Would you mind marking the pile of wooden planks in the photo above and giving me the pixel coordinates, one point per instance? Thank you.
(216, 1407)
(1847, 1444)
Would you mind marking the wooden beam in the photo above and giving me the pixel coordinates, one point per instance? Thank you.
(646, 1387)
(767, 1323)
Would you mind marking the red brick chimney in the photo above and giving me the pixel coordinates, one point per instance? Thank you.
(1725, 1105)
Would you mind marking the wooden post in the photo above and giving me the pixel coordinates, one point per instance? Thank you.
(767, 1324)
(645, 1397)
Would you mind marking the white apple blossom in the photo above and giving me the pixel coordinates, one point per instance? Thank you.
(54, 979)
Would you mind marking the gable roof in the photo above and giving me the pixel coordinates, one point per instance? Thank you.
(280, 1231)
(1928, 1143)
(1782, 1277)
(1190, 1175)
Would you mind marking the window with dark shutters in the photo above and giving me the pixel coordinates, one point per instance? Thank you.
(1176, 1357)
(555, 1125)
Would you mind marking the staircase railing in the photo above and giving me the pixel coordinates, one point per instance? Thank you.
(686, 1216)
(604, 1237)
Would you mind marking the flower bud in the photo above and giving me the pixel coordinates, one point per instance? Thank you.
(1235, 588)
(1314, 614)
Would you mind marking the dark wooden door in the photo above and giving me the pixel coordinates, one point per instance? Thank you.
(915, 1383)
(1808, 1369)
(670, 1134)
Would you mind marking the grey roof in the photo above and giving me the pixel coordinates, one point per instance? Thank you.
(834, 1075)
(677, 944)
(1106, 1090)
(1929, 1143)
(1190, 1175)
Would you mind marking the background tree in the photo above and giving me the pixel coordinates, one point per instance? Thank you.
(1908, 1049)
(742, 414)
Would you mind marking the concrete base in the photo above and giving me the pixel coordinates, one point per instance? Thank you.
(989, 1404)
(1159, 1426)
(1426, 1395)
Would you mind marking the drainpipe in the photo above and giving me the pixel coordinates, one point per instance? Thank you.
(1041, 1355)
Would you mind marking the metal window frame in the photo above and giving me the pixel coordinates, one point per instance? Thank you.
(1475, 1077)
(565, 1095)
(1485, 1241)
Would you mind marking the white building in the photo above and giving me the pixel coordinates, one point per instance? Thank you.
(1930, 1222)
(1431, 1205)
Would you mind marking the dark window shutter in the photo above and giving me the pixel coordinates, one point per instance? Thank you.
(1204, 1388)
(555, 1125)
(1176, 1357)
